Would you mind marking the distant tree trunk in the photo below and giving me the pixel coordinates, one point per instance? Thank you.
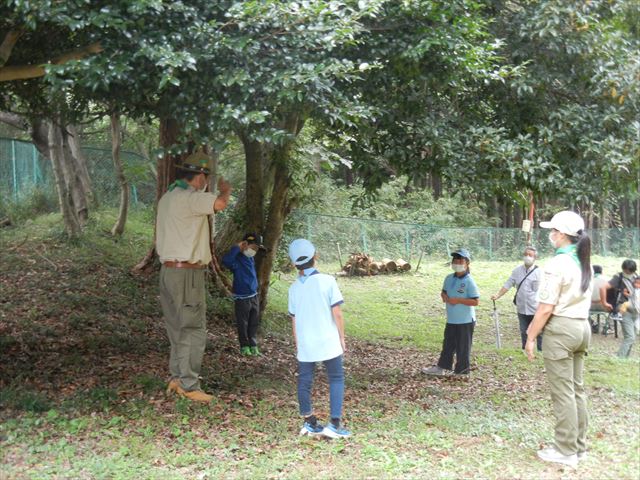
(624, 212)
(517, 216)
(348, 175)
(60, 171)
(436, 185)
(116, 143)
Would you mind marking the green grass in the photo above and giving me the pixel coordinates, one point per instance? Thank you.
(83, 357)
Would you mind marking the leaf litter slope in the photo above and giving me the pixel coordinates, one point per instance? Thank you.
(79, 330)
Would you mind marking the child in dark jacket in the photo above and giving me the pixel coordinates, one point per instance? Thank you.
(245, 291)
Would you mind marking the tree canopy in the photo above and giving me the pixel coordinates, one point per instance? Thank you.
(498, 98)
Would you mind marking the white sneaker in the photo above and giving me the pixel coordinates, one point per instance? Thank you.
(582, 456)
(436, 371)
(552, 455)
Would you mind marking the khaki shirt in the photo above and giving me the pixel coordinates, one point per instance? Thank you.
(560, 286)
(182, 229)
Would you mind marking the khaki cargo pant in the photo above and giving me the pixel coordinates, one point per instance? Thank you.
(182, 296)
(566, 341)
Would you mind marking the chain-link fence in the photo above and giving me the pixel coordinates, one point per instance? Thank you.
(334, 235)
(23, 169)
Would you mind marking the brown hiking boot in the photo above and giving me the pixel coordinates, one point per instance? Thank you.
(196, 395)
(173, 386)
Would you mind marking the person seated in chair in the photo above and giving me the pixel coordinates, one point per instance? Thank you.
(597, 306)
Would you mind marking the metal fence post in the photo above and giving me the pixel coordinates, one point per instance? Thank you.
(14, 168)
(407, 244)
(34, 157)
(134, 194)
(308, 227)
(491, 244)
(363, 236)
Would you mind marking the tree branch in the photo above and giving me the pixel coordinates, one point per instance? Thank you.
(15, 120)
(6, 47)
(24, 72)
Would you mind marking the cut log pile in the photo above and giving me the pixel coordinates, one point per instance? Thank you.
(361, 264)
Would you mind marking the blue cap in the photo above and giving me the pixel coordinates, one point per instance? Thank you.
(301, 251)
(462, 252)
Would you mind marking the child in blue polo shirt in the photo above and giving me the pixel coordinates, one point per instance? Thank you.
(239, 259)
(460, 294)
(318, 329)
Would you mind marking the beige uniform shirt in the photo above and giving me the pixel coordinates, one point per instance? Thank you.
(182, 229)
(560, 286)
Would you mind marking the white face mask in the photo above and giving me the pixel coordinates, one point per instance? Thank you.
(249, 252)
(628, 276)
(458, 268)
(528, 261)
(551, 240)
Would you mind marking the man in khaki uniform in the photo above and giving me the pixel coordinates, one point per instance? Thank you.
(182, 242)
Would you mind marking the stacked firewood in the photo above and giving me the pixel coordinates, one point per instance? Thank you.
(360, 264)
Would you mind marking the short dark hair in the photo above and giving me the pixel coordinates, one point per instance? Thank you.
(532, 248)
(308, 264)
(629, 265)
(184, 175)
(597, 268)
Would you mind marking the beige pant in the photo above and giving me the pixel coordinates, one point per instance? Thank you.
(566, 341)
(182, 296)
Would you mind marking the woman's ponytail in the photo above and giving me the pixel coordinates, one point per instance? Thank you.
(583, 248)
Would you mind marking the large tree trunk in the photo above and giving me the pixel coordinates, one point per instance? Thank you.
(165, 170)
(254, 160)
(116, 143)
(40, 136)
(80, 162)
(279, 209)
(65, 198)
(280, 206)
(73, 168)
(169, 131)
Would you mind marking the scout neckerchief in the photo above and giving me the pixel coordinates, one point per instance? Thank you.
(178, 183)
(570, 250)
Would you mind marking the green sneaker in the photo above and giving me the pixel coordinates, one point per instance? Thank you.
(255, 352)
(246, 351)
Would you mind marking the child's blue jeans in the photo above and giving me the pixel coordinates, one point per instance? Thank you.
(335, 375)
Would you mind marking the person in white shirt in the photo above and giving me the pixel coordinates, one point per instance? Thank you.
(526, 279)
(318, 329)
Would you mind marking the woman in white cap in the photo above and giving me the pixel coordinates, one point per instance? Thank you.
(564, 299)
